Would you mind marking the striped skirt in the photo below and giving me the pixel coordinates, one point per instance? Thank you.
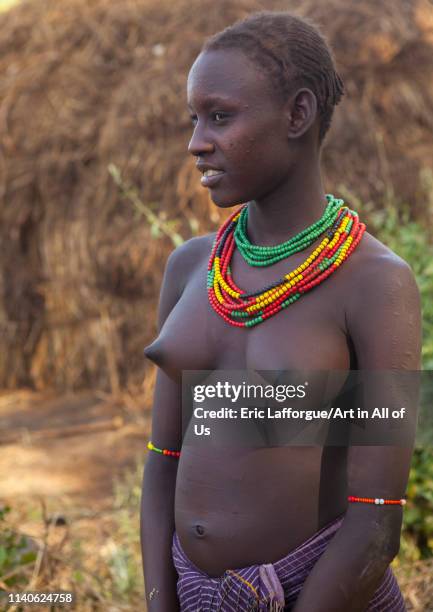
(271, 587)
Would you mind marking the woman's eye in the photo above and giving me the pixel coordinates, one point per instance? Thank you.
(219, 117)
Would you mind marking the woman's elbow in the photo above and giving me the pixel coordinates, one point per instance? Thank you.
(386, 547)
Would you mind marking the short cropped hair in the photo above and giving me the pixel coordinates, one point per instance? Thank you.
(292, 51)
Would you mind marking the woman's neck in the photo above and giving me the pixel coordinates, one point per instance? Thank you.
(295, 205)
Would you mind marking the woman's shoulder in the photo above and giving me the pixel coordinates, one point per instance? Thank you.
(186, 258)
(382, 308)
(377, 271)
(192, 251)
(181, 264)
(374, 254)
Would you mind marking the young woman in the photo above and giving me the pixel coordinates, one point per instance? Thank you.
(273, 528)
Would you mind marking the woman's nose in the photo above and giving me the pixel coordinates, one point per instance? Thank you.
(199, 143)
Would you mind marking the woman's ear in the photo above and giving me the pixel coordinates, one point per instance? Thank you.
(301, 112)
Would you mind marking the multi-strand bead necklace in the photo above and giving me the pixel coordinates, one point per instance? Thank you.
(341, 231)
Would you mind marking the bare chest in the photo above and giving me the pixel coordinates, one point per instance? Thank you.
(310, 334)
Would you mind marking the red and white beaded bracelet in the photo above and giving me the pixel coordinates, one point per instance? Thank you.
(377, 500)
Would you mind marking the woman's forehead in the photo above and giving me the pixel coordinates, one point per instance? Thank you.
(226, 74)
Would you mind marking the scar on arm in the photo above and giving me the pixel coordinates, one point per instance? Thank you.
(153, 593)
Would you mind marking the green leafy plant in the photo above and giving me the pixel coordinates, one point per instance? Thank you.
(16, 552)
(418, 515)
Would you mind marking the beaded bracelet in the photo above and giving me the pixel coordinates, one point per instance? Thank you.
(377, 500)
(163, 451)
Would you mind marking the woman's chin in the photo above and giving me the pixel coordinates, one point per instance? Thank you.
(225, 202)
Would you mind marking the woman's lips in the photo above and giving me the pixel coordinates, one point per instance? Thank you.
(210, 181)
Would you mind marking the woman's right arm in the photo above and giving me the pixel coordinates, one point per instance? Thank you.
(159, 481)
(157, 500)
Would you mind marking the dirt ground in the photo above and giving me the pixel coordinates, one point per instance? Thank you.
(60, 456)
(67, 449)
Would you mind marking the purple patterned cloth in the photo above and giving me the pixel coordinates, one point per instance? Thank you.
(271, 587)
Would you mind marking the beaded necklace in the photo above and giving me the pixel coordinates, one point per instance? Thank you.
(343, 232)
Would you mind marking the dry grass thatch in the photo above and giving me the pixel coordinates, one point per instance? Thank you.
(88, 83)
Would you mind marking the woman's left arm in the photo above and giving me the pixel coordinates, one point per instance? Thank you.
(384, 321)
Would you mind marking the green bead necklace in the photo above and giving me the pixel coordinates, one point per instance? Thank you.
(340, 231)
(256, 255)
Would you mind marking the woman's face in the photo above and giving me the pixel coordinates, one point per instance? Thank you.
(240, 128)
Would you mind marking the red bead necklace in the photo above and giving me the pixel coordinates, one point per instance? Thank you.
(243, 309)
